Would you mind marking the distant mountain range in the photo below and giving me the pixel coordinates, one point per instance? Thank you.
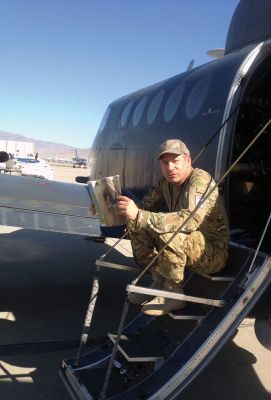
(47, 149)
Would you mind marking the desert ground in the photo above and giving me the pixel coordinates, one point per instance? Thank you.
(67, 173)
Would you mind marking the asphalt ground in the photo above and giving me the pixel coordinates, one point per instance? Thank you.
(45, 283)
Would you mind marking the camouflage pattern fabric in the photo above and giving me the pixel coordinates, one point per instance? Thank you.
(202, 244)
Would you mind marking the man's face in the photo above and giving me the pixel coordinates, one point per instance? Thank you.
(175, 168)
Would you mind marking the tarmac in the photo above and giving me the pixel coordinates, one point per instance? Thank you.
(45, 284)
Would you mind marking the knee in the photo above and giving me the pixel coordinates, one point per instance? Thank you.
(195, 245)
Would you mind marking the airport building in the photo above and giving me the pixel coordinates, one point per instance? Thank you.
(17, 148)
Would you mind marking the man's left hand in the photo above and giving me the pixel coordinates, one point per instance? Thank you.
(127, 207)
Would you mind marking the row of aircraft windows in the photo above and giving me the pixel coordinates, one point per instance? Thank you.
(194, 103)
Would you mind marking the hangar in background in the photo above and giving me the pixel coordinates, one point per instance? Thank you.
(17, 148)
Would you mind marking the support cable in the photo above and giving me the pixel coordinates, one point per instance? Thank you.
(88, 318)
(259, 244)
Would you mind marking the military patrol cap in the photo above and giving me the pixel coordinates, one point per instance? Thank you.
(173, 146)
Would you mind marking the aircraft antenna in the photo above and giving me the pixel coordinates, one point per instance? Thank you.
(216, 53)
(190, 65)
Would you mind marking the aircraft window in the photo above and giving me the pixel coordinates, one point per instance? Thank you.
(104, 119)
(173, 102)
(154, 106)
(197, 97)
(125, 114)
(138, 112)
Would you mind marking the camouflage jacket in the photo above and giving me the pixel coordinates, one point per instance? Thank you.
(210, 218)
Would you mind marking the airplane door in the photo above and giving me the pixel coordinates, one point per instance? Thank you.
(248, 186)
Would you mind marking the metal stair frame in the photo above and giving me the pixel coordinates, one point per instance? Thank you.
(176, 296)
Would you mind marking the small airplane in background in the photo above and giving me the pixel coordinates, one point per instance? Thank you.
(78, 161)
(222, 111)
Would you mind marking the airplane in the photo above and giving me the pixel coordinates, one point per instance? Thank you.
(222, 111)
(78, 161)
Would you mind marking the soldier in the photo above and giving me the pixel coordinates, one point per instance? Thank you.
(201, 245)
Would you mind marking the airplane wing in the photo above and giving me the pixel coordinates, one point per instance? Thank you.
(41, 204)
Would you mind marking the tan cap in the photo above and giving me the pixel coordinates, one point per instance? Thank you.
(173, 146)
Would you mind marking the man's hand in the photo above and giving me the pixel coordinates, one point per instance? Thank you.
(127, 207)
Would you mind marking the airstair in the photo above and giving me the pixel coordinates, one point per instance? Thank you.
(156, 358)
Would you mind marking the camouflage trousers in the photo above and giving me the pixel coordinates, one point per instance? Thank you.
(185, 250)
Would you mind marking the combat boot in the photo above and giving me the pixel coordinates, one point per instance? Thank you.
(162, 305)
(141, 298)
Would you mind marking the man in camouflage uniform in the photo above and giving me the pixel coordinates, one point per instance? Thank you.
(202, 243)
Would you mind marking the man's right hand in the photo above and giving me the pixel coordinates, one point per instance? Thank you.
(128, 207)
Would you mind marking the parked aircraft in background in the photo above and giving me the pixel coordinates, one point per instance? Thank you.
(78, 161)
(218, 110)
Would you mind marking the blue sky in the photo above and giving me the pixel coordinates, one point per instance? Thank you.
(64, 61)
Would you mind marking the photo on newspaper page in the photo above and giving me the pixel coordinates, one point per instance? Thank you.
(104, 193)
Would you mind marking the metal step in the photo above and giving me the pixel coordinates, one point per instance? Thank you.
(192, 312)
(218, 277)
(172, 295)
(134, 349)
(186, 317)
(105, 264)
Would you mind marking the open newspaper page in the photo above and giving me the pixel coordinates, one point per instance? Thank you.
(104, 193)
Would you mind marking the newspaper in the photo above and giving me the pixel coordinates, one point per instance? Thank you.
(104, 193)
